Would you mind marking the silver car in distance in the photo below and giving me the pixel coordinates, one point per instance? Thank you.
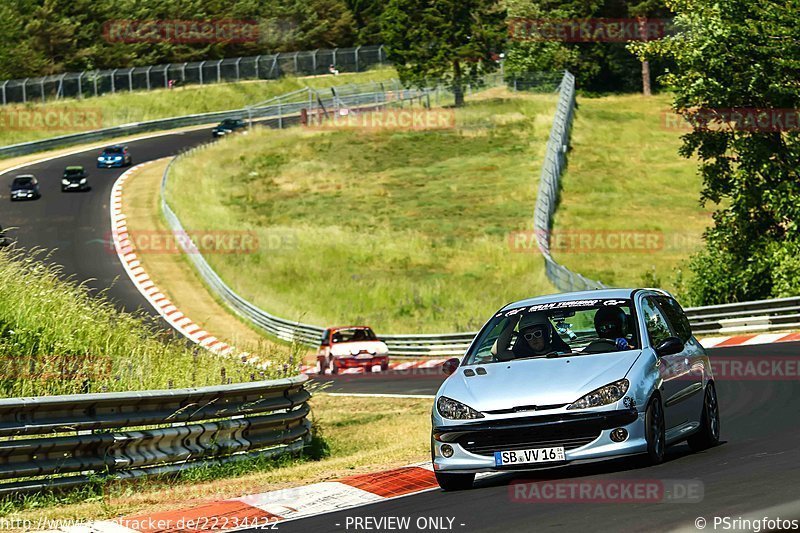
(574, 377)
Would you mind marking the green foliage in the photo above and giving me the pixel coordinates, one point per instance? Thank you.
(39, 37)
(729, 55)
(598, 66)
(443, 39)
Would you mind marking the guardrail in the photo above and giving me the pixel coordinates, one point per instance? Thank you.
(60, 442)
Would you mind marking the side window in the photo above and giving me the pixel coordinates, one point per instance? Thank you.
(657, 326)
(676, 317)
(326, 336)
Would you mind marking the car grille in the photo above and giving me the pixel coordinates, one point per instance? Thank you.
(497, 441)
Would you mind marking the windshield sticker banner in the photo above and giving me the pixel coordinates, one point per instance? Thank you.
(563, 305)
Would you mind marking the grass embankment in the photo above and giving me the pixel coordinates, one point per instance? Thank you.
(361, 433)
(405, 230)
(57, 339)
(126, 107)
(625, 180)
(173, 273)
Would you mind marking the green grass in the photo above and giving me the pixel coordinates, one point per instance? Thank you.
(625, 176)
(405, 230)
(127, 107)
(57, 339)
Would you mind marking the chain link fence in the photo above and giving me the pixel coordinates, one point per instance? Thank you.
(549, 186)
(264, 67)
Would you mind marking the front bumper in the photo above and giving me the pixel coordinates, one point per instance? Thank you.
(355, 362)
(111, 164)
(584, 436)
(28, 195)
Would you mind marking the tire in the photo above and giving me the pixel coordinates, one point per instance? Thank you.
(384, 367)
(655, 431)
(332, 366)
(708, 435)
(452, 482)
(368, 368)
(320, 369)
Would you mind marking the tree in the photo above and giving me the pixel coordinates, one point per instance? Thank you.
(741, 55)
(443, 39)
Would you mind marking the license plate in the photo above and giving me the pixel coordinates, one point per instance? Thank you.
(535, 455)
(364, 356)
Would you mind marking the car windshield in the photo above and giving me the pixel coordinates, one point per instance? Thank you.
(23, 182)
(229, 122)
(556, 329)
(73, 172)
(353, 335)
(114, 150)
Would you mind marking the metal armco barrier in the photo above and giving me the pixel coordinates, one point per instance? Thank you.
(58, 442)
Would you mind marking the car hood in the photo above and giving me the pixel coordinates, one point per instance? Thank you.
(347, 348)
(528, 382)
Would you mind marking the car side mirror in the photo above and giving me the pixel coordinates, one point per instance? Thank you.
(669, 346)
(450, 366)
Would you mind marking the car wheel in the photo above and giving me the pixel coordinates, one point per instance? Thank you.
(368, 368)
(450, 482)
(708, 435)
(320, 369)
(384, 367)
(655, 431)
(332, 366)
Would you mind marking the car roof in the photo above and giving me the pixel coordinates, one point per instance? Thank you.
(25, 176)
(567, 296)
(349, 327)
(74, 167)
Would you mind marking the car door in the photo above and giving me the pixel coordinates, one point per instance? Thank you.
(658, 329)
(692, 361)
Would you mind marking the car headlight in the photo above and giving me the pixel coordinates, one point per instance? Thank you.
(603, 396)
(117, 158)
(454, 410)
(83, 180)
(64, 182)
(100, 158)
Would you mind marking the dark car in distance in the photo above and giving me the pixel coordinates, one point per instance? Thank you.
(75, 178)
(25, 187)
(228, 126)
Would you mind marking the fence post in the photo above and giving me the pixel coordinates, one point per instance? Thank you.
(280, 117)
(114, 81)
(130, 80)
(333, 57)
(202, 63)
(238, 60)
(4, 92)
(80, 86)
(380, 55)
(60, 92)
(258, 60)
(295, 63)
(147, 76)
(219, 68)
(94, 81)
(41, 85)
(356, 54)
(314, 61)
(183, 72)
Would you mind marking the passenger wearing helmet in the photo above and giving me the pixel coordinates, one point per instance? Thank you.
(535, 337)
(611, 323)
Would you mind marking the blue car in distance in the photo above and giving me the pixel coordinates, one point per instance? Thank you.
(116, 156)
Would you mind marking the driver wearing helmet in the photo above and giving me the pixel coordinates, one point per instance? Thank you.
(535, 336)
(611, 323)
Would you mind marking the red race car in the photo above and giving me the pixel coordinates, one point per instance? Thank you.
(351, 347)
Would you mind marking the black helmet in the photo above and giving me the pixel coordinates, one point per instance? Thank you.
(610, 322)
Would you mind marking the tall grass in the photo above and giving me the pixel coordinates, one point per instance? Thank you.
(57, 339)
(625, 177)
(405, 230)
(114, 109)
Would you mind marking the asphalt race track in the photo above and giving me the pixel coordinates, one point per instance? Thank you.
(75, 227)
(755, 468)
